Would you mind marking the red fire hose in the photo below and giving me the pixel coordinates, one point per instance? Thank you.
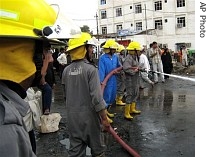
(111, 130)
(107, 78)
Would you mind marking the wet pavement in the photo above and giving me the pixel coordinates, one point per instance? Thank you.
(165, 128)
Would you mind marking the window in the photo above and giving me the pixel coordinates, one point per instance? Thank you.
(181, 98)
(118, 27)
(138, 26)
(158, 5)
(138, 9)
(118, 12)
(130, 7)
(104, 30)
(103, 14)
(103, 2)
(158, 24)
(180, 3)
(181, 21)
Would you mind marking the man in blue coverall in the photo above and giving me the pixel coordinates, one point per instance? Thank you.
(108, 62)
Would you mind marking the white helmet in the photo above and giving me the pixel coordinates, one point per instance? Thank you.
(93, 41)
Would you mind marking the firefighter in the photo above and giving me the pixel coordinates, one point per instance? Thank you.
(22, 40)
(84, 101)
(131, 68)
(120, 77)
(108, 62)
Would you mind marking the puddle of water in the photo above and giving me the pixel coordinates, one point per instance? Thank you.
(66, 142)
(88, 151)
(146, 92)
(53, 96)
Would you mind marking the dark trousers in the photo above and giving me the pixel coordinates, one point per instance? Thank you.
(61, 68)
(32, 140)
(46, 96)
(167, 70)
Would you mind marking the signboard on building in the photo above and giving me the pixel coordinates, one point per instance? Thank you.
(127, 32)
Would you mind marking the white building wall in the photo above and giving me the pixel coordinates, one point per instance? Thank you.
(170, 34)
(170, 6)
(128, 13)
(149, 7)
(191, 23)
(169, 27)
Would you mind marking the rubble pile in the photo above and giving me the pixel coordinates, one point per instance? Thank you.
(178, 68)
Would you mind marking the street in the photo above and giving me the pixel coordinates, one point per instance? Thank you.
(165, 127)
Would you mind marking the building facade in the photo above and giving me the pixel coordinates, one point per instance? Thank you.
(169, 22)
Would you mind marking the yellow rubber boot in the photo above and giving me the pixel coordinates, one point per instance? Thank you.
(119, 101)
(127, 112)
(111, 115)
(133, 109)
(109, 120)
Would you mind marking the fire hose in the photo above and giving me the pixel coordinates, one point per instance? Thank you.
(175, 76)
(111, 130)
(148, 71)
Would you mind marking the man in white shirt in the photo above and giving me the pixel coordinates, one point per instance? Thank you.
(144, 64)
(148, 52)
(62, 60)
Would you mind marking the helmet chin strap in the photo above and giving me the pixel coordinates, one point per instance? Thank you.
(111, 52)
(137, 56)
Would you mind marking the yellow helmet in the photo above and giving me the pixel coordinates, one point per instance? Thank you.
(76, 46)
(26, 19)
(110, 44)
(22, 21)
(77, 42)
(120, 48)
(134, 45)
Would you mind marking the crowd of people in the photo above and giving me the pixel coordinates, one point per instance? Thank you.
(114, 56)
(28, 60)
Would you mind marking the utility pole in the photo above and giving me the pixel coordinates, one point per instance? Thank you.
(97, 35)
(145, 8)
(97, 26)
